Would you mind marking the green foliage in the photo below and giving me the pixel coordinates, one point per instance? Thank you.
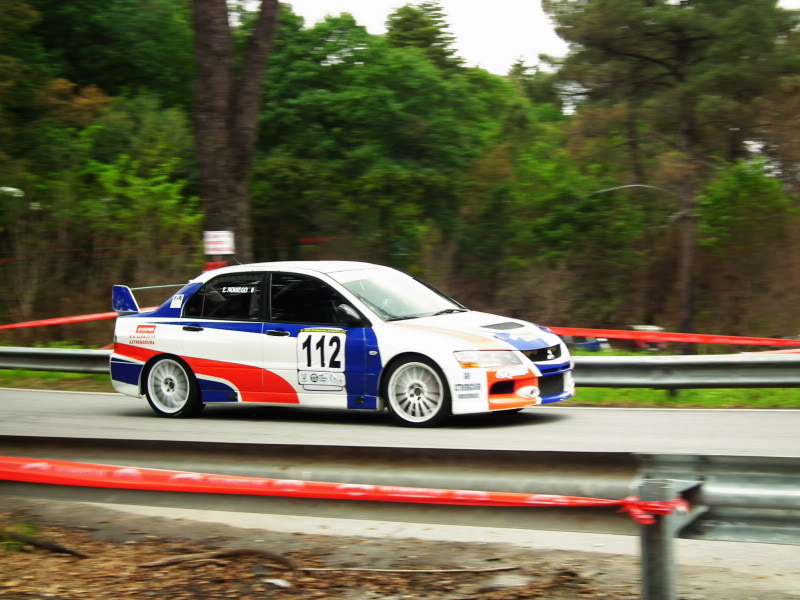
(117, 173)
(722, 398)
(388, 149)
(693, 67)
(124, 47)
(423, 26)
(387, 138)
(540, 87)
(667, 100)
(141, 128)
(128, 194)
(22, 528)
(103, 187)
(743, 202)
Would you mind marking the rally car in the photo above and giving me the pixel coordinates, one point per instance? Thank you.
(331, 334)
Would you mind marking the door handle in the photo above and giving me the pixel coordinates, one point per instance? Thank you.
(192, 328)
(277, 332)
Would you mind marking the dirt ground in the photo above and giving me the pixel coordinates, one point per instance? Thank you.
(126, 556)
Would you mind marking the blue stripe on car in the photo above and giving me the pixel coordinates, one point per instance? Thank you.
(522, 344)
(362, 385)
(125, 371)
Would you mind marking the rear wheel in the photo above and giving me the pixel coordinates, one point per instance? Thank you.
(171, 389)
(417, 393)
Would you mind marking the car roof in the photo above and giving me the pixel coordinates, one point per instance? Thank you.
(303, 266)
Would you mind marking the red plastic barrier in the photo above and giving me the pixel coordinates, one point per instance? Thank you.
(67, 320)
(62, 320)
(647, 336)
(57, 472)
(665, 336)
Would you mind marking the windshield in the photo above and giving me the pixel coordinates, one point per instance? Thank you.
(393, 295)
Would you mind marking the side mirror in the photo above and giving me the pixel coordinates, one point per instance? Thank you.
(348, 315)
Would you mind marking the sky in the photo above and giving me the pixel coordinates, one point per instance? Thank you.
(492, 36)
(488, 35)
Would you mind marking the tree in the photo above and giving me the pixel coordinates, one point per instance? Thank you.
(226, 107)
(537, 85)
(120, 46)
(366, 142)
(688, 73)
(424, 27)
(16, 19)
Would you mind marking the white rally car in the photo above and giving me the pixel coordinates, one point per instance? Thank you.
(331, 334)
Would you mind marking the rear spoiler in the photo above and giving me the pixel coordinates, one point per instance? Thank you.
(124, 303)
(122, 300)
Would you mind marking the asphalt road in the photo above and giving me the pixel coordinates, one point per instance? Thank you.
(547, 428)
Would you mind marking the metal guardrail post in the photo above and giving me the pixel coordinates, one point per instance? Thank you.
(658, 540)
(658, 545)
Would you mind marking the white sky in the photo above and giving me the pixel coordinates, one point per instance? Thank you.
(488, 35)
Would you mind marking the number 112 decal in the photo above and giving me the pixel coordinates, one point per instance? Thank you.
(320, 359)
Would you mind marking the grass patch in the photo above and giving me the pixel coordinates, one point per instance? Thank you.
(11, 543)
(51, 380)
(704, 398)
(712, 398)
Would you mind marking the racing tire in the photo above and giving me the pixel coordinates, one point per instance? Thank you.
(171, 389)
(416, 392)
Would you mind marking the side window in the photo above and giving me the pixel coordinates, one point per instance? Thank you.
(302, 299)
(235, 297)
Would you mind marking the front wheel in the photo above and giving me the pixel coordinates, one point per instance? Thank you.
(171, 389)
(417, 394)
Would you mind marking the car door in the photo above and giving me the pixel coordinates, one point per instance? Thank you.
(310, 345)
(222, 336)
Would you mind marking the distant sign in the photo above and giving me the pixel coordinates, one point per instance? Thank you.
(218, 242)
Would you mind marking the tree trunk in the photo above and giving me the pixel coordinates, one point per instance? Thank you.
(687, 224)
(226, 108)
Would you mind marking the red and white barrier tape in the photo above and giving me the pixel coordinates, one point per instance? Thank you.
(647, 336)
(666, 336)
(57, 472)
(66, 320)
(61, 320)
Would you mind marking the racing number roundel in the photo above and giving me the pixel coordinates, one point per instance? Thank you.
(320, 359)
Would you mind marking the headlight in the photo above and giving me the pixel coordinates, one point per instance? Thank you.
(487, 359)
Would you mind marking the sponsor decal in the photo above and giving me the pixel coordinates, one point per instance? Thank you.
(467, 396)
(145, 335)
(468, 387)
(511, 372)
(324, 378)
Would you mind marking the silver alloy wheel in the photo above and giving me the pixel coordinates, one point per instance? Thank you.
(416, 393)
(169, 387)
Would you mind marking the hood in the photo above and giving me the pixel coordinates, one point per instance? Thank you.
(486, 330)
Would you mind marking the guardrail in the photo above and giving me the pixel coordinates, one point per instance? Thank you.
(737, 498)
(64, 360)
(658, 372)
(689, 372)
